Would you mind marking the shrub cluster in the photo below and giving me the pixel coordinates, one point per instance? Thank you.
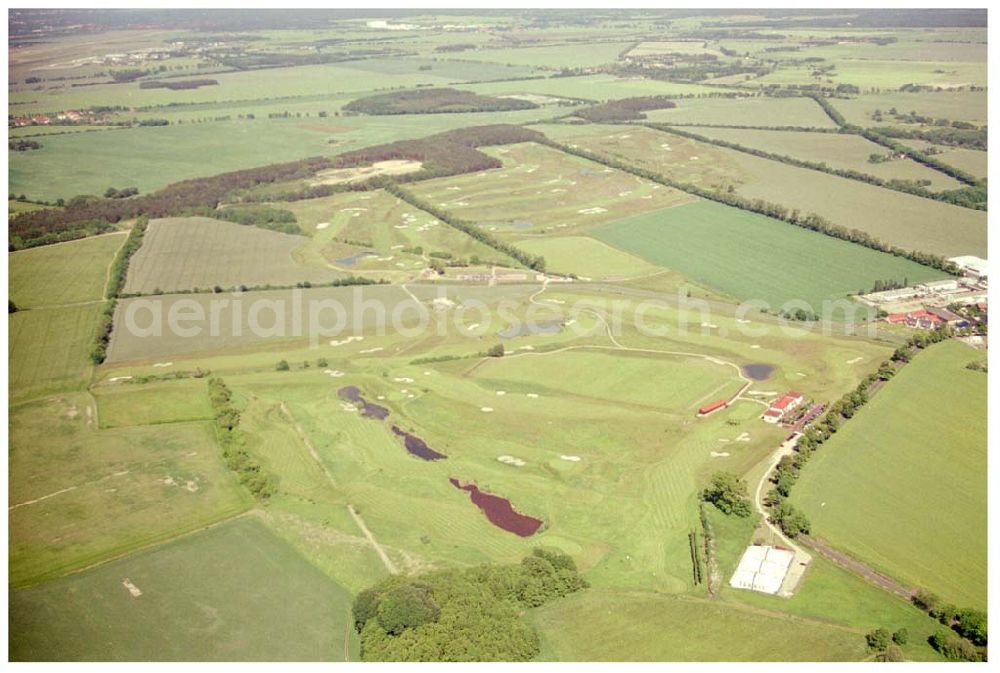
(238, 459)
(467, 614)
(177, 85)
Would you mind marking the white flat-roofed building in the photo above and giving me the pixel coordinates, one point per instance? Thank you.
(972, 265)
(762, 568)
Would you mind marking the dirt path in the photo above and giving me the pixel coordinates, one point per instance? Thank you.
(858, 568)
(287, 413)
(386, 561)
(107, 272)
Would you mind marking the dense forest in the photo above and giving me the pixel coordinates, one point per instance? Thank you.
(626, 109)
(432, 101)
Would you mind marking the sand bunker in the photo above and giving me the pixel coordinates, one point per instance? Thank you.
(592, 211)
(855, 360)
(511, 460)
(113, 379)
(403, 379)
(335, 373)
(337, 176)
(744, 437)
(501, 392)
(132, 589)
(719, 454)
(162, 364)
(371, 350)
(486, 409)
(348, 340)
(572, 459)
(322, 225)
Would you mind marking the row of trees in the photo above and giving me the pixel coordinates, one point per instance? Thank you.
(462, 614)
(227, 418)
(87, 215)
(116, 282)
(434, 100)
(535, 262)
(965, 638)
(177, 85)
(792, 521)
(907, 186)
(20, 145)
(811, 221)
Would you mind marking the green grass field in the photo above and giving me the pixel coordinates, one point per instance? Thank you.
(969, 106)
(843, 152)
(68, 273)
(542, 190)
(233, 593)
(745, 112)
(390, 226)
(48, 349)
(911, 222)
(750, 256)
(125, 404)
(899, 464)
(184, 253)
(602, 626)
(587, 257)
(82, 495)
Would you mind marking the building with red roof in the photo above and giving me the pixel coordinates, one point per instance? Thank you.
(782, 407)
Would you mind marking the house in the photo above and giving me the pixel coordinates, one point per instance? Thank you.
(40, 119)
(922, 319)
(782, 407)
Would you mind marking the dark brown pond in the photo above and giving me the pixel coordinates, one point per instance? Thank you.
(758, 372)
(500, 512)
(353, 393)
(417, 446)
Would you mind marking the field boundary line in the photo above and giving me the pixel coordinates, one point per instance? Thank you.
(141, 548)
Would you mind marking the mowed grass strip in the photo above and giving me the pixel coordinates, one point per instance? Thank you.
(48, 349)
(749, 256)
(185, 253)
(588, 257)
(597, 625)
(151, 403)
(233, 593)
(64, 273)
(903, 484)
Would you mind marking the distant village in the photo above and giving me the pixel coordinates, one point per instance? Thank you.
(960, 302)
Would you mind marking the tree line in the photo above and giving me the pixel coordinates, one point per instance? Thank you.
(792, 521)
(535, 262)
(811, 221)
(116, 282)
(905, 186)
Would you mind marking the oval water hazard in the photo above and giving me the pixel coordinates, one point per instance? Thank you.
(417, 446)
(499, 511)
(353, 393)
(758, 372)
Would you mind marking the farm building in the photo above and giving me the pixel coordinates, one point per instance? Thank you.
(713, 407)
(971, 266)
(782, 406)
(762, 568)
(949, 317)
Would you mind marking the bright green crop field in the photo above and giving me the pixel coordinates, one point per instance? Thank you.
(916, 452)
(749, 256)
